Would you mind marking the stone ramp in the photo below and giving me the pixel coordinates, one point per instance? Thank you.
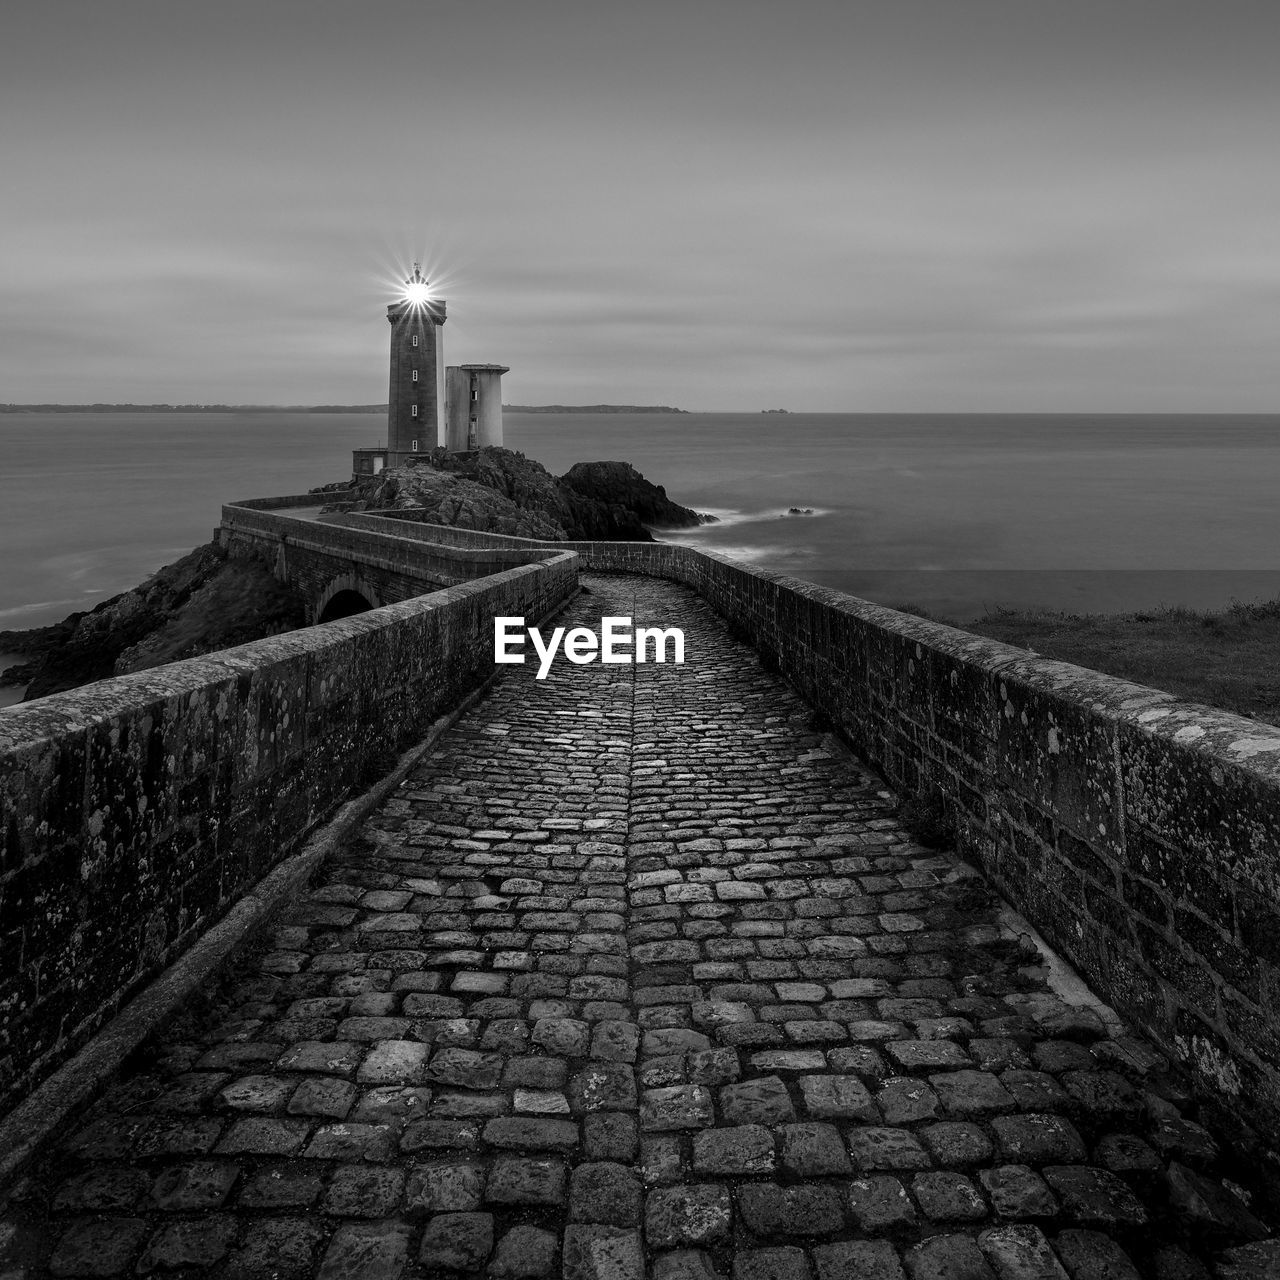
(638, 975)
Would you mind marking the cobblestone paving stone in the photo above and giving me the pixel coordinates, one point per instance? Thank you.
(637, 975)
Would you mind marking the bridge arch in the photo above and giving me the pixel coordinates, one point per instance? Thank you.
(346, 595)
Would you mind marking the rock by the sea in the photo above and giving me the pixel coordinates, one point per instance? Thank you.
(445, 498)
(501, 491)
(203, 602)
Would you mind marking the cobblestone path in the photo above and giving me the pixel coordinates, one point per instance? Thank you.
(637, 975)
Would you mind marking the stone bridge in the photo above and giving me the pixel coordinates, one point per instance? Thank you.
(344, 568)
(332, 955)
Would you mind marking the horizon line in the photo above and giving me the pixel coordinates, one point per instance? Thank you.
(372, 408)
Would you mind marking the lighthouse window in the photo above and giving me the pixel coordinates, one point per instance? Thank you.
(415, 339)
(413, 413)
(475, 394)
(415, 375)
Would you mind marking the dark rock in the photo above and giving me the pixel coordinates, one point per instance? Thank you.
(501, 491)
(524, 1251)
(457, 1241)
(1210, 1207)
(1250, 1262)
(96, 1246)
(616, 494)
(1090, 1255)
(200, 603)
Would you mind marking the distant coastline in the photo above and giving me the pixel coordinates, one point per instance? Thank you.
(591, 408)
(318, 408)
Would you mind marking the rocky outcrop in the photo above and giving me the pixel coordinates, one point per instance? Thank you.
(198, 604)
(618, 485)
(502, 491)
(444, 498)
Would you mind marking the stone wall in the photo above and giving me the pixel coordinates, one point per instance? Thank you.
(1140, 834)
(383, 566)
(135, 811)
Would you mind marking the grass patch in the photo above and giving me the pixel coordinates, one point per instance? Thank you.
(1229, 659)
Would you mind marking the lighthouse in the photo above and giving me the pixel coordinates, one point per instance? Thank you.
(415, 404)
(459, 408)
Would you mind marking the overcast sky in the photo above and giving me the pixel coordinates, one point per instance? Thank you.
(1022, 205)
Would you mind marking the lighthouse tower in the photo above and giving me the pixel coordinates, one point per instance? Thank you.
(415, 407)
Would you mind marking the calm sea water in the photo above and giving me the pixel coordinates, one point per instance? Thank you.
(954, 513)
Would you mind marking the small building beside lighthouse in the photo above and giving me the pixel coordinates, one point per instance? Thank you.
(473, 395)
(427, 406)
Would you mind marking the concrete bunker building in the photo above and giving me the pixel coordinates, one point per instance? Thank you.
(428, 405)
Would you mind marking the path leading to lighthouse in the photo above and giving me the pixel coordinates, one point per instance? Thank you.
(637, 975)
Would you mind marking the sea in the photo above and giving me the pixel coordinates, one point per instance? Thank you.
(955, 514)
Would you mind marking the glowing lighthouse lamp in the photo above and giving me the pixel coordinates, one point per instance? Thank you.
(417, 291)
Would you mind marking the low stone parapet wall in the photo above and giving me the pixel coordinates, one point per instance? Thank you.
(136, 811)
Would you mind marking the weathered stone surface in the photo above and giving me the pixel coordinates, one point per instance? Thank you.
(1095, 1197)
(737, 1151)
(366, 1251)
(524, 1251)
(866, 1259)
(200, 1184)
(1259, 1261)
(875, 1147)
(904, 1100)
(838, 1097)
(1017, 1192)
(602, 1253)
(880, 1205)
(526, 1181)
(763, 1101)
(276, 1249)
(1091, 1255)
(691, 1215)
(1020, 1252)
(1210, 1205)
(814, 1150)
(950, 1257)
(97, 1246)
(287, 1187)
(456, 1241)
(363, 1191)
(785, 1263)
(609, 1135)
(522, 1133)
(948, 1197)
(603, 1086)
(1037, 1139)
(194, 1242)
(605, 1193)
(772, 1210)
(399, 1062)
(676, 1107)
(465, 1068)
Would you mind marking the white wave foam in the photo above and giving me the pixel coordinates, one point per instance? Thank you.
(727, 516)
